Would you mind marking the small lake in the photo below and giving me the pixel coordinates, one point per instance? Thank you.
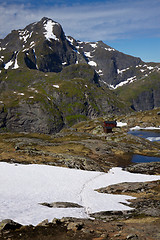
(144, 159)
(150, 135)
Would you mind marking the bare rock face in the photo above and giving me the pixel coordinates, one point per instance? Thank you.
(8, 224)
(31, 118)
(147, 99)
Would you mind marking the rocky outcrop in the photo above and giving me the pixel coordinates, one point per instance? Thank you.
(146, 168)
(8, 224)
(31, 118)
(147, 100)
(61, 205)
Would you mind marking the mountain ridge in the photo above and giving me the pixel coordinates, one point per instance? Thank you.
(48, 80)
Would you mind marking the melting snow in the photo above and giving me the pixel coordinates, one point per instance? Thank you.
(31, 97)
(93, 45)
(32, 44)
(150, 68)
(70, 40)
(49, 26)
(121, 124)
(16, 63)
(146, 128)
(7, 65)
(88, 54)
(110, 49)
(64, 63)
(2, 48)
(1, 58)
(56, 86)
(121, 71)
(25, 186)
(21, 94)
(129, 80)
(99, 71)
(153, 139)
(23, 35)
(92, 63)
(26, 49)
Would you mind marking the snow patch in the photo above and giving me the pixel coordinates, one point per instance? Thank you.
(121, 124)
(129, 80)
(70, 40)
(121, 71)
(49, 27)
(56, 86)
(32, 44)
(28, 185)
(110, 49)
(93, 45)
(92, 63)
(2, 48)
(7, 65)
(88, 54)
(24, 35)
(99, 71)
(16, 62)
(153, 139)
(21, 94)
(1, 58)
(144, 128)
(150, 68)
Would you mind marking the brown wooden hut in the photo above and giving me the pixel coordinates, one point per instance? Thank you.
(108, 126)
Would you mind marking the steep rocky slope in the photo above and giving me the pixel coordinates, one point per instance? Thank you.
(143, 94)
(48, 80)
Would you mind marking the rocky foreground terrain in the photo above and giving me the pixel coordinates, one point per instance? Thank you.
(85, 146)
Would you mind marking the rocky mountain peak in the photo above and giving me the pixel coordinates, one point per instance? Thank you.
(48, 80)
(43, 46)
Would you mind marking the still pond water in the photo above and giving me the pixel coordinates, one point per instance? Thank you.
(150, 135)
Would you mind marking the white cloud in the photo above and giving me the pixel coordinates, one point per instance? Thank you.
(101, 21)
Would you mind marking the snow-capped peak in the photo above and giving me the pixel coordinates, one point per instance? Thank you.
(49, 30)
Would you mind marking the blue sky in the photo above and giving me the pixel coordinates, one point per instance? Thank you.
(132, 27)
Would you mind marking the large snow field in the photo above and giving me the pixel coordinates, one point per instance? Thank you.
(23, 187)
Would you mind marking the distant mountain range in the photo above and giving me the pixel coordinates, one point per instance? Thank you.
(48, 80)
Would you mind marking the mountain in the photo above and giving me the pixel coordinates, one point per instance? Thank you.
(48, 80)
